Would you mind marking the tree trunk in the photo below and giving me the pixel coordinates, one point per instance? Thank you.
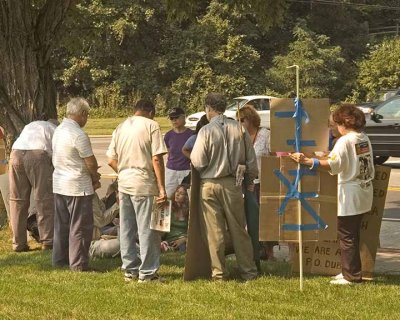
(28, 33)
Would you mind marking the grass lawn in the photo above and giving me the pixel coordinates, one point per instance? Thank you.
(31, 289)
(106, 126)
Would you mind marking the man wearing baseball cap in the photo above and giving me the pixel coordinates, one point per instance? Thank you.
(178, 166)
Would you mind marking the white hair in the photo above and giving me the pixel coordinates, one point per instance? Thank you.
(77, 106)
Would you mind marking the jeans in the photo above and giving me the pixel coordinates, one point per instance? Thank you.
(135, 215)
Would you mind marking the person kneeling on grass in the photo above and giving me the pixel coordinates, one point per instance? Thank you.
(352, 160)
(175, 240)
(105, 241)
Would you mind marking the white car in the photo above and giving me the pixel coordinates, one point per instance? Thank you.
(260, 103)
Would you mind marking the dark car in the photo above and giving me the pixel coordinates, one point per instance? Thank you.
(383, 129)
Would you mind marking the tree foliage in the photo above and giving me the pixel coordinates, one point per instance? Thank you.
(379, 71)
(320, 65)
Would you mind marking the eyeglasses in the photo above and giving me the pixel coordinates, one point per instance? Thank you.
(242, 119)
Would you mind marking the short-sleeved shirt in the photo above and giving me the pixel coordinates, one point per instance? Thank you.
(175, 142)
(261, 148)
(189, 144)
(36, 135)
(133, 144)
(352, 160)
(71, 145)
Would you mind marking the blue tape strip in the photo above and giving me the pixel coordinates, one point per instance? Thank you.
(301, 227)
(284, 114)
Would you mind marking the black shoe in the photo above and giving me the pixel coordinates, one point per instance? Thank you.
(22, 249)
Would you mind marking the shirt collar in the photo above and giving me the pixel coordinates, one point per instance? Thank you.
(73, 122)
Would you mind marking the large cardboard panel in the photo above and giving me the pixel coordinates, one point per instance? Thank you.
(197, 260)
(273, 193)
(326, 260)
(371, 224)
(317, 129)
(322, 257)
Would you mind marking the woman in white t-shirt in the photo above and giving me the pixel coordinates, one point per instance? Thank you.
(352, 160)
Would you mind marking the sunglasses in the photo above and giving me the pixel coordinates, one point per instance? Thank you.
(174, 118)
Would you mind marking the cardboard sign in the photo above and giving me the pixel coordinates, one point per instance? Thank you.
(283, 125)
(197, 259)
(324, 257)
(276, 173)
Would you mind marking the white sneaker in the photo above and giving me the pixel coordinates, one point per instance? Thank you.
(342, 281)
(338, 276)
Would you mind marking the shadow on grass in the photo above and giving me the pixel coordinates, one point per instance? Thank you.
(41, 261)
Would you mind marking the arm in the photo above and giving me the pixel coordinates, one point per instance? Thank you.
(186, 152)
(302, 159)
(158, 165)
(92, 166)
(113, 163)
(198, 156)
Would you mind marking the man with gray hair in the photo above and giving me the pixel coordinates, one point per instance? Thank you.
(75, 178)
(220, 149)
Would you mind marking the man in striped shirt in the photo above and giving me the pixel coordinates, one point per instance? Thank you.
(75, 178)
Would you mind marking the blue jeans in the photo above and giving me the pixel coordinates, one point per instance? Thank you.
(135, 215)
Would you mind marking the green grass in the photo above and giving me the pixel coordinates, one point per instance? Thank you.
(106, 126)
(31, 289)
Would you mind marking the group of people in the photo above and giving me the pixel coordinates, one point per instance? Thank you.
(226, 153)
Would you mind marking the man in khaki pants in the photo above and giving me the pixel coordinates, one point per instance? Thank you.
(220, 148)
(31, 170)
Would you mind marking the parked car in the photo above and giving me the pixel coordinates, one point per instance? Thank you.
(261, 103)
(383, 129)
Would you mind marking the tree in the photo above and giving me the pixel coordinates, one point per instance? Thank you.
(28, 33)
(379, 71)
(320, 65)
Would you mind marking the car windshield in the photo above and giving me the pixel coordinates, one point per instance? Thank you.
(232, 105)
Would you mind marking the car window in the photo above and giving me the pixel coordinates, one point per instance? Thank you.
(390, 110)
(259, 104)
(232, 105)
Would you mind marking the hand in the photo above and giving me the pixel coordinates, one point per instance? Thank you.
(250, 187)
(298, 157)
(162, 198)
(96, 185)
(175, 244)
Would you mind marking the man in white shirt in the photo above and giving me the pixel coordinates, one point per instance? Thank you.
(31, 171)
(136, 154)
(75, 178)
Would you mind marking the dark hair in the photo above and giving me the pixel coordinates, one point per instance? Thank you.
(144, 105)
(250, 113)
(349, 116)
(185, 206)
(216, 101)
(201, 123)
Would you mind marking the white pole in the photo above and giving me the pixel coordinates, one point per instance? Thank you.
(299, 221)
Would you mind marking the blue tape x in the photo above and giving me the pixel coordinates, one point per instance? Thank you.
(293, 193)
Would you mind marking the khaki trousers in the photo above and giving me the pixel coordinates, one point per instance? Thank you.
(223, 206)
(31, 171)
